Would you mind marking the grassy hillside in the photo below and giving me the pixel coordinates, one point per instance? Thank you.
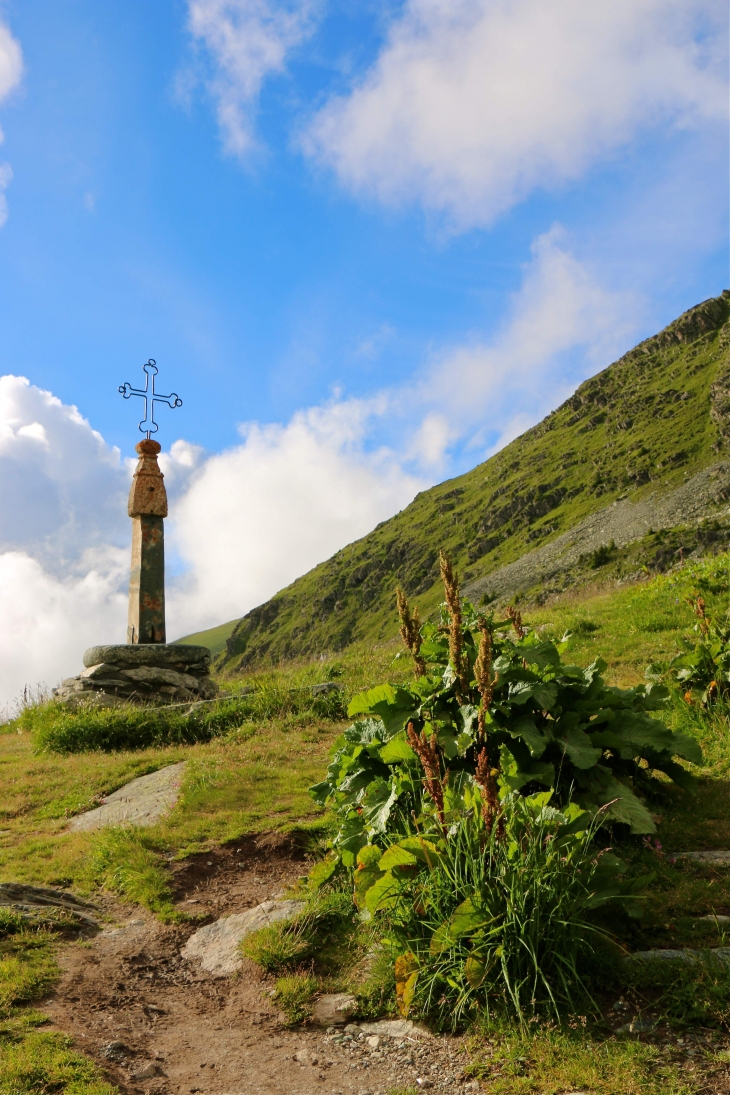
(215, 637)
(646, 423)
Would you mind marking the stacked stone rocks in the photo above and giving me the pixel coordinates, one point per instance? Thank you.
(142, 672)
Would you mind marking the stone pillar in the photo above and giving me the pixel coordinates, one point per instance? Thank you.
(147, 508)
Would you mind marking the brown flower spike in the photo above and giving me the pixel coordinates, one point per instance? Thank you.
(459, 660)
(485, 777)
(410, 631)
(483, 674)
(699, 608)
(427, 753)
(516, 618)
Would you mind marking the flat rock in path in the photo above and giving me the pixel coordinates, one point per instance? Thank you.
(686, 955)
(395, 1028)
(141, 802)
(715, 859)
(32, 901)
(216, 946)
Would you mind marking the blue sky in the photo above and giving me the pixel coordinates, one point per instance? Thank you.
(395, 234)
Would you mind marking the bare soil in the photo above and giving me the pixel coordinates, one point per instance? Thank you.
(135, 1005)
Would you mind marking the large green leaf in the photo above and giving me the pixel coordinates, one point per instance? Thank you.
(543, 694)
(377, 803)
(394, 705)
(626, 807)
(536, 741)
(383, 894)
(542, 654)
(368, 872)
(397, 751)
(578, 746)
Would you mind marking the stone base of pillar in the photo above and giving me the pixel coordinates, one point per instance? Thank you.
(142, 673)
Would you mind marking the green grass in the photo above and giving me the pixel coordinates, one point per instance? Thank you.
(33, 1062)
(214, 638)
(57, 728)
(549, 1061)
(294, 995)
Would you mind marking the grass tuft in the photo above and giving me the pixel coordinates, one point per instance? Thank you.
(294, 995)
(126, 862)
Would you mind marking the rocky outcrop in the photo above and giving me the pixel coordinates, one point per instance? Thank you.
(152, 672)
(704, 495)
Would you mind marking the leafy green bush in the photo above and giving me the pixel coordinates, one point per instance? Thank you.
(506, 701)
(492, 913)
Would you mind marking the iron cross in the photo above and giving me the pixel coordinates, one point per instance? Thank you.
(150, 396)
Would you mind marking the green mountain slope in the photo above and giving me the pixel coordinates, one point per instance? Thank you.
(642, 427)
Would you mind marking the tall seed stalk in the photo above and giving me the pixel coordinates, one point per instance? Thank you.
(410, 631)
(427, 753)
(483, 675)
(459, 660)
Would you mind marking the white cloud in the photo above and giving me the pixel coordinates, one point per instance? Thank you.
(244, 522)
(560, 308)
(48, 621)
(257, 516)
(247, 40)
(473, 104)
(11, 70)
(62, 488)
(11, 61)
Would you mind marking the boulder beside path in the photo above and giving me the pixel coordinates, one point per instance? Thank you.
(216, 947)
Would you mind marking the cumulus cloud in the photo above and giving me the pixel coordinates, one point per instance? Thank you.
(48, 621)
(257, 516)
(473, 104)
(62, 488)
(247, 41)
(244, 523)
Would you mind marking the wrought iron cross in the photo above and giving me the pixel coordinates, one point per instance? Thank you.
(150, 396)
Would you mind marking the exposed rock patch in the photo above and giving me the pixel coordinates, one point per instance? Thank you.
(216, 947)
(623, 522)
(33, 901)
(141, 802)
(333, 1009)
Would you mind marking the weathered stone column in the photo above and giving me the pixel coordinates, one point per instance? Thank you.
(147, 508)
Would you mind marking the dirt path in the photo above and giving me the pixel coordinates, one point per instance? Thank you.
(179, 1030)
